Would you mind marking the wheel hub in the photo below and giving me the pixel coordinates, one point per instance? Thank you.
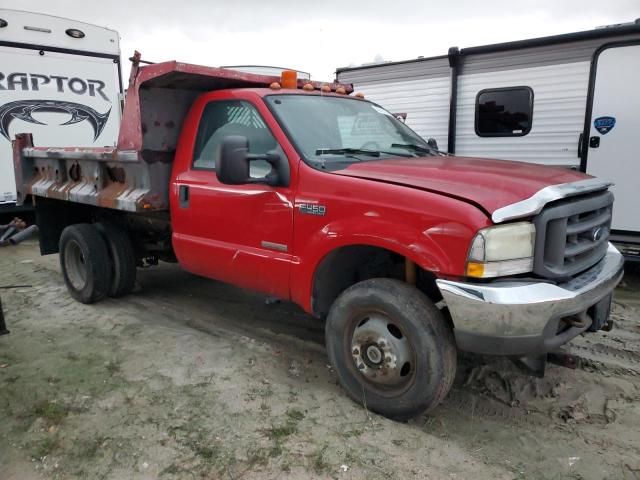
(374, 354)
(381, 352)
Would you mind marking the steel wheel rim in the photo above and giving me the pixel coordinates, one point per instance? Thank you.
(75, 265)
(382, 353)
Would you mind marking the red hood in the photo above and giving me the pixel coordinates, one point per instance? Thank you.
(491, 184)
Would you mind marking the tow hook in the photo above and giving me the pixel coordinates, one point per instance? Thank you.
(580, 320)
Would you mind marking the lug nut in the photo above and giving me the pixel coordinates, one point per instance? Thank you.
(356, 351)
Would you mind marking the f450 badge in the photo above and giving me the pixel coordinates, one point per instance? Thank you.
(312, 209)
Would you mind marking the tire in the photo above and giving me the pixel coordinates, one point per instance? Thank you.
(85, 263)
(391, 348)
(123, 258)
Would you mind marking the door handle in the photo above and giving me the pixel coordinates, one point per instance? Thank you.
(594, 142)
(183, 196)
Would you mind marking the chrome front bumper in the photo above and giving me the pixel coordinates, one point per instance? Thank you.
(523, 317)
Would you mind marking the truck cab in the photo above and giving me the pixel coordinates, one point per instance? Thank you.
(304, 192)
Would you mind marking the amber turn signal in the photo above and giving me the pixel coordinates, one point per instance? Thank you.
(475, 269)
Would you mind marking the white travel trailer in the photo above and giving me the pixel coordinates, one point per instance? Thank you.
(59, 80)
(568, 100)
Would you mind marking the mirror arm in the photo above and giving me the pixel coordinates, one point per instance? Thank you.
(272, 158)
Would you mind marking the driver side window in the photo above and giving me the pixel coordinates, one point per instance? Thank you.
(221, 119)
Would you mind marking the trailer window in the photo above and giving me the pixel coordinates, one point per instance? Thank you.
(224, 118)
(504, 112)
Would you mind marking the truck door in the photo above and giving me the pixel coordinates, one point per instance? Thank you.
(614, 132)
(239, 234)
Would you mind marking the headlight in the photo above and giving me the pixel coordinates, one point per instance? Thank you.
(502, 250)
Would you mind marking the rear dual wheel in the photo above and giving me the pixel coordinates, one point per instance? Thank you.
(391, 348)
(96, 260)
(122, 256)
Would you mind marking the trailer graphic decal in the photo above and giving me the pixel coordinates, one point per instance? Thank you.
(604, 124)
(24, 109)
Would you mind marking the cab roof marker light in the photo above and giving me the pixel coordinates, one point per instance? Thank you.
(275, 86)
(326, 89)
(359, 95)
(341, 90)
(289, 79)
(308, 87)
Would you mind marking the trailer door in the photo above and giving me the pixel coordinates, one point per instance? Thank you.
(614, 132)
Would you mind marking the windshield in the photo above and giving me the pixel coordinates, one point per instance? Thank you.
(338, 130)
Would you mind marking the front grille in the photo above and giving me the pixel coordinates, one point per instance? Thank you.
(572, 235)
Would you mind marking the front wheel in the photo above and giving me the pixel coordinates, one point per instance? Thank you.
(391, 348)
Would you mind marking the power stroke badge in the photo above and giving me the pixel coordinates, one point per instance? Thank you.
(24, 110)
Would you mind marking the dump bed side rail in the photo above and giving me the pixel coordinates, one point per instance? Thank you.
(103, 177)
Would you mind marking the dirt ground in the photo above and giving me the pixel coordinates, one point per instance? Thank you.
(189, 378)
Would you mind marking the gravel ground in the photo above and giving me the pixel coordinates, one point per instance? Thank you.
(190, 378)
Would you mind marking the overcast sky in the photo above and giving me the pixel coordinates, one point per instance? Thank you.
(321, 35)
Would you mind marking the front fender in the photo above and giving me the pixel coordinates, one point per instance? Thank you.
(427, 247)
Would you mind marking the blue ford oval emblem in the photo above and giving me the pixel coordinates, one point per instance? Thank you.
(597, 234)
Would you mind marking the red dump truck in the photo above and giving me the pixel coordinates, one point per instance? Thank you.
(309, 193)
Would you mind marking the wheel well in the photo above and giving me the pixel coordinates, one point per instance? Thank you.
(52, 216)
(349, 265)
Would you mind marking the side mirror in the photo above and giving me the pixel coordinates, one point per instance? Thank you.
(432, 143)
(232, 165)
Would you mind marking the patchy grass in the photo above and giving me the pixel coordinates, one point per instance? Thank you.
(72, 356)
(172, 469)
(258, 456)
(318, 463)
(113, 367)
(51, 411)
(263, 392)
(355, 432)
(281, 432)
(89, 449)
(45, 446)
(294, 414)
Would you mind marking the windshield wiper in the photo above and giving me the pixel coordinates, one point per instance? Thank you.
(414, 147)
(418, 148)
(351, 151)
